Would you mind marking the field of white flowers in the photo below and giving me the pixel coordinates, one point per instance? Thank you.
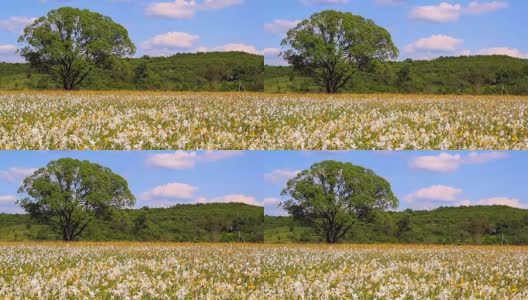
(205, 271)
(260, 121)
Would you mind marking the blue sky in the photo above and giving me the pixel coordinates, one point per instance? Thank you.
(204, 25)
(420, 29)
(420, 179)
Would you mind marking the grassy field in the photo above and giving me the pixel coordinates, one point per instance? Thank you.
(244, 271)
(128, 120)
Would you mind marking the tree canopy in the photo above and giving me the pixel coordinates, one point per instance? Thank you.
(468, 75)
(332, 46)
(472, 225)
(71, 42)
(210, 222)
(211, 71)
(68, 194)
(331, 196)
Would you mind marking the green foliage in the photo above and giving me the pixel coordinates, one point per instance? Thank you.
(333, 46)
(214, 71)
(68, 194)
(478, 75)
(215, 222)
(331, 196)
(445, 225)
(71, 42)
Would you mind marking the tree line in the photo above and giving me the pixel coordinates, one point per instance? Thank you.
(475, 225)
(213, 222)
(214, 71)
(467, 75)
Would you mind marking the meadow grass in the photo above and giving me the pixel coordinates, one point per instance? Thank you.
(260, 271)
(169, 120)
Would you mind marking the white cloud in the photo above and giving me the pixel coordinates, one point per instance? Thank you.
(179, 9)
(176, 161)
(15, 174)
(215, 155)
(483, 157)
(280, 26)
(444, 12)
(513, 52)
(442, 43)
(8, 54)
(323, 2)
(390, 2)
(232, 47)
(7, 199)
(8, 49)
(219, 4)
(46, 1)
(272, 208)
(176, 9)
(435, 193)
(512, 202)
(174, 190)
(445, 162)
(477, 8)
(441, 195)
(447, 12)
(272, 57)
(271, 51)
(280, 176)
(170, 40)
(181, 160)
(235, 198)
(271, 201)
(16, 24)
(12, 209)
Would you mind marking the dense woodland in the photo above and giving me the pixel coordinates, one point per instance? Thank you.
(215, 222)
(444, 75)
(445, 225)
(214, 71)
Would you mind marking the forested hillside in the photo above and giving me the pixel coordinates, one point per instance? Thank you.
(446, 225)
(214, 71)
(445, 75)
(220, 222)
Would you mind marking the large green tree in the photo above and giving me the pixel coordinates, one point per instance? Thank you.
(332, 46)
(68, 194)
(71, 42)
(331, 196)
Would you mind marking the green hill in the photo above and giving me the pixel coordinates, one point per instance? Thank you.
(215, 222)
(444, 75)
(445, 225)
(214, 71)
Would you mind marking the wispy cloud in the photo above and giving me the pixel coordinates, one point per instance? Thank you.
(16, 173)
(280, 176)
(280, 26)
(445, 162)
(435, 193)
(234, 198)
(450, 12)
(179, 9)
(16, 24)
(174, 190)
(181, 160)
